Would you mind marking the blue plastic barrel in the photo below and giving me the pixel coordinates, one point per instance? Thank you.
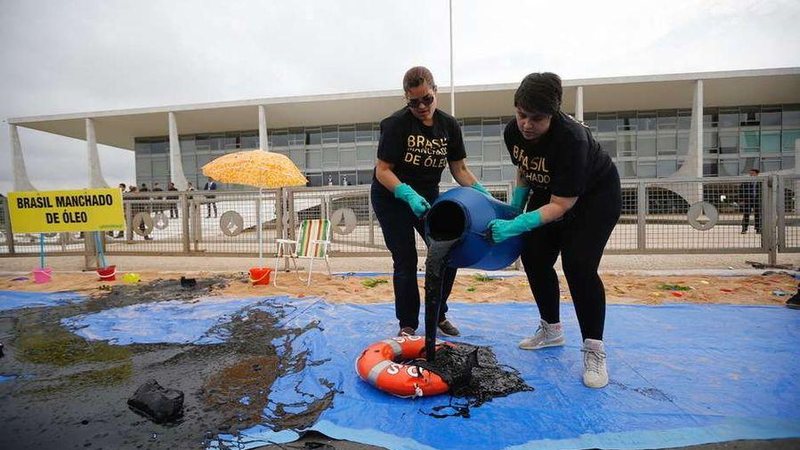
(464, 213)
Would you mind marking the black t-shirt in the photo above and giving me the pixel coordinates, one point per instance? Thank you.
(566, 161)
(419, 152)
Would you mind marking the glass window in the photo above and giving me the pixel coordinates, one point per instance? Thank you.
(710, 139)
(748, 163)
(297, 137)
(330, 135)
(606, 122)
(314, 179)
(160, 168)
(279, 138)
(789, 140)
(791, 116)
(159, 147)
(626, 121)
(491, 151)
(749, 141)
(770, 165)
(364, 132)
(215, 142)
(646, 169)
(685, 119)
(492, 128)
(729, 143)
(627, 169)
(347, 157)
(626, 145)
(710, 168)
(365, 152)
(472, 127)
(645, 145)
(189, 162)
(609, 144)
(347, 134)
(728, 167)
(788, 162)
(141, 147)
(646, 120)
(492, 174)
(667, 120)
(474, 150)
(298, 157)
(330, 156)
(750, 116)
(665, 168)
(683, 144)
(667, 144)
(364, 176)
(729, 118)
(250, 141)
(770, 117)
(314, 159)
(710, 117)
(770, 142)
(314, 136)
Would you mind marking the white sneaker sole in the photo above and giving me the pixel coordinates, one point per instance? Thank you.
(556, 343)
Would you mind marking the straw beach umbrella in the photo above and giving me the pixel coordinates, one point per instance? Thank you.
(258, 168)
(255, 168)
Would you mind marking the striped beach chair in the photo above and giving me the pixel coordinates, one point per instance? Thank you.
(313, 240)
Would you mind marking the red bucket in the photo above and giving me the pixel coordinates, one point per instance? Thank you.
(260, 275)
(107, 273)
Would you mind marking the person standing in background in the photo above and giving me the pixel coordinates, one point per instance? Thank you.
(750, 196)
(211, 185)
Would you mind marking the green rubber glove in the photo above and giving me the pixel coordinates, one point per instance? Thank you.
(480, 188)
(505, 229)
(520, 197)
(417, 202)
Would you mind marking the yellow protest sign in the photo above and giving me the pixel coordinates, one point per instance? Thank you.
(75, 210)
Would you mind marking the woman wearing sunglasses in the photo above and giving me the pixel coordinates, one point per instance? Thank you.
(572, 192)
(416, 144)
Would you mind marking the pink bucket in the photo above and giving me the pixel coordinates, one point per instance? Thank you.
(42, 275)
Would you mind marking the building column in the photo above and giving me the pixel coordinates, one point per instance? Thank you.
(263, 143)
(693, 165)
(579, 103)
(95, 173)
(176, 174)
(21, 181)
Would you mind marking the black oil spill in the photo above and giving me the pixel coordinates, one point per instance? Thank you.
(435, 266)
(472, 372)
(474, 376)
(73, 392)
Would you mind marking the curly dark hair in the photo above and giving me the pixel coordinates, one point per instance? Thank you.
(416, 76)
(539, 92)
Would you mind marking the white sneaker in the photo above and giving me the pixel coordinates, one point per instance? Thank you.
(547, 335)
(595, 373)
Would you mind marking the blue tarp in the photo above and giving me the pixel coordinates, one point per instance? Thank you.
(680, 374)
(19, 299)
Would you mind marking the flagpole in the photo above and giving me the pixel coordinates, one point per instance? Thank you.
(452, 86)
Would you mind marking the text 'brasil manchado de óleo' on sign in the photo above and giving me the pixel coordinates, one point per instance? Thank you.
(60, 211)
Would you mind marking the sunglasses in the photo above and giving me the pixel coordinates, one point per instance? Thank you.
(416, 102)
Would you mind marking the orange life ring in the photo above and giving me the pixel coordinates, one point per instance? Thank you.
(381, 365)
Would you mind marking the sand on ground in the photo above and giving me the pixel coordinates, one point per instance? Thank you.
(768, 288)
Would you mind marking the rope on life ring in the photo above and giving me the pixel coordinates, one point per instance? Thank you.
(384, 365)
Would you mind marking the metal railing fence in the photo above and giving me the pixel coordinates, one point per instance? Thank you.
(658, 216)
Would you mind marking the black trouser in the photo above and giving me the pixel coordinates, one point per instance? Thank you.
(754, 206)
(398, 223)
(212, 205)
(580, 237)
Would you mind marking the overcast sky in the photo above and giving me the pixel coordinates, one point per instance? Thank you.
(60, 56)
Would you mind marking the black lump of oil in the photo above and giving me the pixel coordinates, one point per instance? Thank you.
(435, 266)
(473, 373)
